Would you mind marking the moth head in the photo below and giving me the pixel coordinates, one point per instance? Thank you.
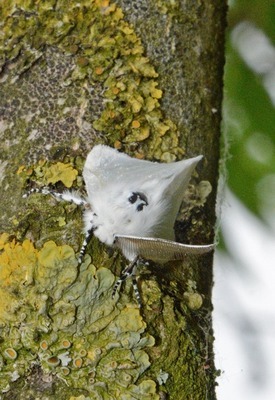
(138, 199)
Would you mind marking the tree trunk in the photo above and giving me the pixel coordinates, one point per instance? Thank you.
(146, 78)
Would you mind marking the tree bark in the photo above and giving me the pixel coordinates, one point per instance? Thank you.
(146, 78)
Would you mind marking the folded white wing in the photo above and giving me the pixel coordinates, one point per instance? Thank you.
(157, 249)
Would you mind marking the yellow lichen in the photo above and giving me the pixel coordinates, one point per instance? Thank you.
(20, 169)
(77, 362)
(193, 300)
(129, 319)
(99, 70)
(17, 263)
(44, 345)
(65, 371)
(61, 221)
(10, 353)
(138, 134)
(48, 173)
(135, 124)
(146, 390)
(53, 361)
(4, 238)
(61, 173)
(43, 296)
(66, 344)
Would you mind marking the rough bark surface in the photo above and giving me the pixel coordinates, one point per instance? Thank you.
(144, 77)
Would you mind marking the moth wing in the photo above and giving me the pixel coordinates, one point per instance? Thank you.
(157, 249)
(105, 165)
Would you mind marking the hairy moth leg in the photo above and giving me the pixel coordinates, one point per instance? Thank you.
(71, 197)
(136, 290)
(126, 273)
(88, 235)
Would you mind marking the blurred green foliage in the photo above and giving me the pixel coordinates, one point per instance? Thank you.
(249, 115)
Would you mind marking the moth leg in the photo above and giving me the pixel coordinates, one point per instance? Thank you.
(88, 235)
(126, 273)
(136, 290)
(71, 197)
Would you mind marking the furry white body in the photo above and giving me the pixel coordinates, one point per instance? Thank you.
(112, 178)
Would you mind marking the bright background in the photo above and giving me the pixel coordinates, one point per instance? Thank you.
(244, 293)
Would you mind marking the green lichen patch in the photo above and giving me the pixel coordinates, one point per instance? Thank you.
(63, 319)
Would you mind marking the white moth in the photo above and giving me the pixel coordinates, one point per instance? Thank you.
(132, 204)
